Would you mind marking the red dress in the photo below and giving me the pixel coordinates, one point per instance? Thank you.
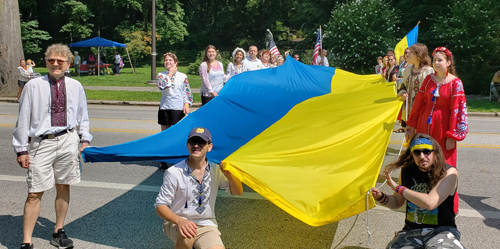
(441, 114)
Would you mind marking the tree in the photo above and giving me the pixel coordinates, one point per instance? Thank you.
(11, 50)
(77, 25)
(359, 31)
(471, 31)
(32, 37)
(139, 43)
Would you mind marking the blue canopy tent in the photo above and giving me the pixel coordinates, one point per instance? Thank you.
(101, 42)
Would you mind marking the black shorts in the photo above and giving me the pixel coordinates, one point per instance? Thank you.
(169, 117)
(21, 83)
(205, 100)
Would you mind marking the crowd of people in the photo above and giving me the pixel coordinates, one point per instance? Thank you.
(435, 116)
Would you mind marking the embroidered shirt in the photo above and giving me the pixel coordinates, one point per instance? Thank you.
(190, 198)
(176, 91)
(57, 102)
(34, 117)
(212, 81)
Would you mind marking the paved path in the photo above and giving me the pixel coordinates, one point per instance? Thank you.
(130, 88)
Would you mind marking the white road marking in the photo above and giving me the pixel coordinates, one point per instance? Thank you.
(471, 213)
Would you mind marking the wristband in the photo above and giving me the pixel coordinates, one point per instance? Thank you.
(380, 198)
(22, 153)
(85, 141)
(384, 199)
(400, 189)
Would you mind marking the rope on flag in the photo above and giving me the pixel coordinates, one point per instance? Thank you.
(317, 48)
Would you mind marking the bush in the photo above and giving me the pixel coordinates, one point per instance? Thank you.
(359, 31)
(471, 31)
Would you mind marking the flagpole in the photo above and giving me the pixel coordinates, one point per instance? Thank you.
(321, 37)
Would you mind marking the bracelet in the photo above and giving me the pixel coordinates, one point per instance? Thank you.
(380, 198)
(400, 189)
(383, 199)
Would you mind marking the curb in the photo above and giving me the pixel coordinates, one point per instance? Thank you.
(198, 105)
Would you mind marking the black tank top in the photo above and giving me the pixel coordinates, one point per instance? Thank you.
(416, 217)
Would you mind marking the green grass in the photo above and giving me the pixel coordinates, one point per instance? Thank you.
(483, 106)
(127, 78)
(128, 95)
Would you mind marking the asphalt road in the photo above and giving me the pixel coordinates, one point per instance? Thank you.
(113, 206)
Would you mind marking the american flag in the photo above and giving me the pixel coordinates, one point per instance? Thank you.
(272, 48)
(317, 48)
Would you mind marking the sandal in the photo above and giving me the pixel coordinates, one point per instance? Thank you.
(401, 130)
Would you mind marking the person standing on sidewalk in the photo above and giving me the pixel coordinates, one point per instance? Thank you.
(186, 201)
(428, 186)
(176, 96)
(76, 64)
(52, 122)
(118, 60)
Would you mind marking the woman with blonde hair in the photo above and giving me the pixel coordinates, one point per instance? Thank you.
(24, 77)
(176, 97)
(212, 75)
(385, 66)
(392, 72)
(413, 76)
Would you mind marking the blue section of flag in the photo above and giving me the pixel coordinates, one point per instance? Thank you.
(248, 104)
(412, 36)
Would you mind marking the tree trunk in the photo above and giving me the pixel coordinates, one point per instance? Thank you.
(11, 49)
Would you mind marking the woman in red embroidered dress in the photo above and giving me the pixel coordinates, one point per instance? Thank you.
(440, 109)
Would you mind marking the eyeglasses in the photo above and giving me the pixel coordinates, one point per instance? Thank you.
(53, 61)
(426, 152)
(407, 52)
(201, 143)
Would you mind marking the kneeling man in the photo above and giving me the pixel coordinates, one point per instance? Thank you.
(187, 197)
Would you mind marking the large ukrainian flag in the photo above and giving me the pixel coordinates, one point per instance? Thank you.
(406, 42)
(310, 139)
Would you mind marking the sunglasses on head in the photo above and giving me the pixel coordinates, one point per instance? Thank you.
(425, 151)
(199, 142)
(53, 61)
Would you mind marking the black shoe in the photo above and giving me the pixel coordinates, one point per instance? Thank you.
(27, 246)
(163, 167)
(60, 239)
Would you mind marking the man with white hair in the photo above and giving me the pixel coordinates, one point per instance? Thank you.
(52, 123)
(252, 63)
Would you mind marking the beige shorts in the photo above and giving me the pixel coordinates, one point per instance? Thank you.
(206, 237)
(53, 161)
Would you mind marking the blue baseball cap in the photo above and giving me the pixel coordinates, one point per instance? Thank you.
(204, 133)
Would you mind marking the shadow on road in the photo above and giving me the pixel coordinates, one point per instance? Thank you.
(10, 239)
(477, 203)
(130, 221)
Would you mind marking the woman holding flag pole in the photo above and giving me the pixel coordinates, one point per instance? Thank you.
(413, 76)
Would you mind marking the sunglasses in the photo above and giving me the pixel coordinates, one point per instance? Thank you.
(200, 142)
(426, 152)
(53, 61)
